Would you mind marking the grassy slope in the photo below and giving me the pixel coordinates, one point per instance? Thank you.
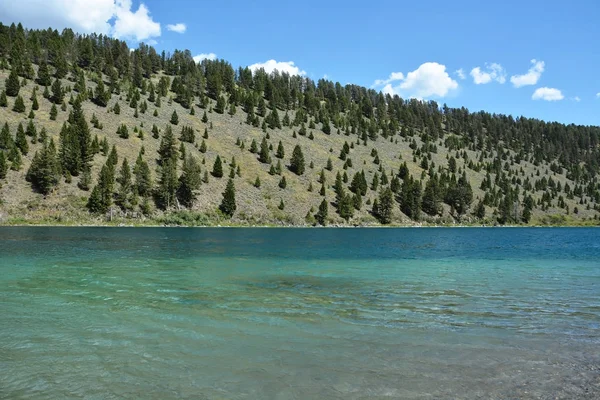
(66, 205)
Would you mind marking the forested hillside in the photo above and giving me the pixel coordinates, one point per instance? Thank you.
(93, 131)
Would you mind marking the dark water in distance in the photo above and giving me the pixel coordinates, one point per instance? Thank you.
(158, 313)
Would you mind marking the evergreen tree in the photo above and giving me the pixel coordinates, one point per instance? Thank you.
(432, 196)
(19, 106)
(282, 183)
(228, 205)
(345, 207)
(220, 107)
(6, 141)
(480, 210)
(321, 215)
(167, 185)
(43, 173)
(21, 140)
(189, 181)
(53, 112)
(124, 192)
(217, 171)
(174, 118)
(167, 149)
(3, 99)
(43, 75)
(12, 85)
(385, 206)
(101, 95)
(410, 198)
(264, 156)
(143, 179)
(297, 161)
(57, 92)
(3, 165)
(280, 150)
(86, 179)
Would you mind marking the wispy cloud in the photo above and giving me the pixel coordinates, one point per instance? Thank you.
(531, 77)
(179, 28)
(493, 72)
(205, 56)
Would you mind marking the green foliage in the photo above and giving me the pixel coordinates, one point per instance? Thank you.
(297, 161)
(12, 85)
(174, 118)
(282, 182)
(189, 181)
(187, 134)
(21, 140)
(3, 165)
(3, 99)
(19, 106)
(264, 156)
(321, 215)
(383, 208)
(217, 170)
(228, 205)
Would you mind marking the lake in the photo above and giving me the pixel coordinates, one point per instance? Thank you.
(160, 313)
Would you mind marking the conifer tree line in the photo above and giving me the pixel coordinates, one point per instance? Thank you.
(70, 69)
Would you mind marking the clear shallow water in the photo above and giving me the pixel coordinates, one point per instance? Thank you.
(111, 313)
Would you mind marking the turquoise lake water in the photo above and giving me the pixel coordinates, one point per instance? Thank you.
(113, 313)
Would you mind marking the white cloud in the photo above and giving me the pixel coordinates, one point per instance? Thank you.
(134, 25)
(548, 94)
(281, 66)
(205, 56)
(531, 77)
(494, 72)
(394, 76)
(577, 99)
(598, 95)
(109, 17)
(460, 73)
(429, 80)
(179, 28)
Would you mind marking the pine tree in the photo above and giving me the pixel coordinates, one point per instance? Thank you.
(43, 75)
(228, 205)
(143, 178)
(480, 210)
(3, 99)
(174, 118)
(385, 205)
(21, 140)
(85, 180)
(189, 181)
(220, 107)
(280, 150)
(264, 155)
(167, 149)
(57, 92)
(124, 192)
(6, 140)
(257, 182)
(297, 161)
(217, 171)
(19, 106)
(282, 183)
(43, 172)
(13, 86)
(3, 165)
(53, 112)
(321, 215)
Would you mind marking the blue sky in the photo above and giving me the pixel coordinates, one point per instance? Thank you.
(533, 58)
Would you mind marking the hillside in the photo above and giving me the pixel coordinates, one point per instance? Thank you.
(396, 161)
